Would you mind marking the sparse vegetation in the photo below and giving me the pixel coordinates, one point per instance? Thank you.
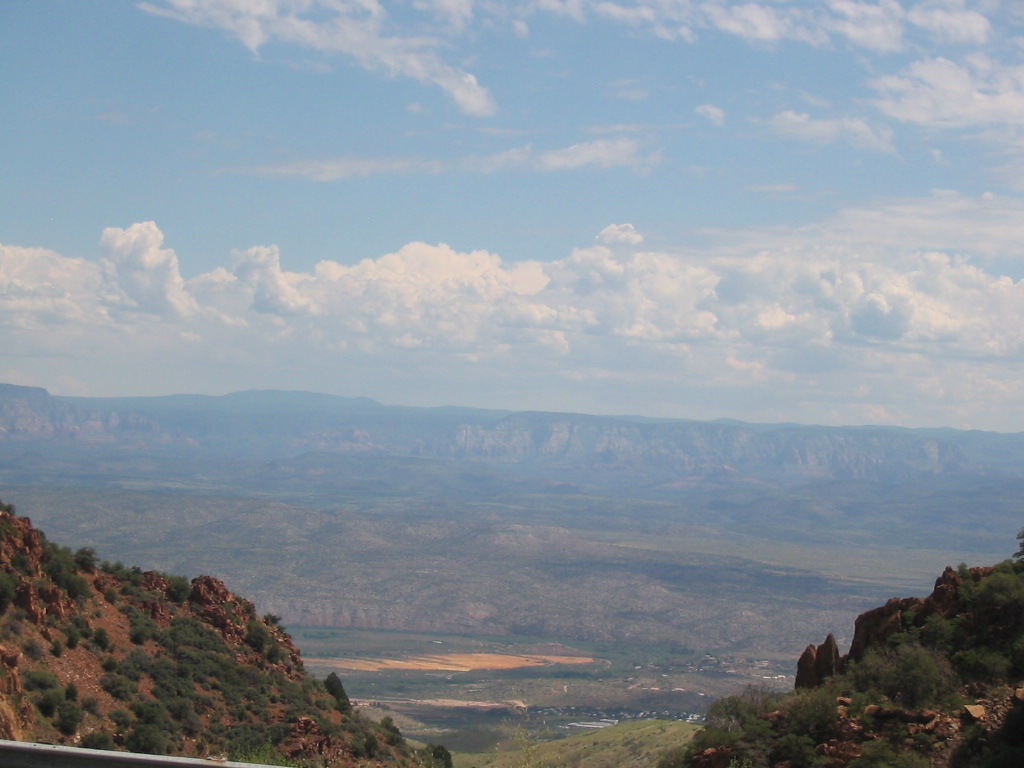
(967, 641)
(187, 674)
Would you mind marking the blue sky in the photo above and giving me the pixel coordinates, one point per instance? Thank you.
(775, 211)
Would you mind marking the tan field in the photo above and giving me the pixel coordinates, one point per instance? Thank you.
(450, 662)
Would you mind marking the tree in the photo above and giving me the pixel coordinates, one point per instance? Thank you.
(1019, 554)
(334, 687)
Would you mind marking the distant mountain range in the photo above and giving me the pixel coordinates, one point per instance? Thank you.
(345, 512)
(638, 453)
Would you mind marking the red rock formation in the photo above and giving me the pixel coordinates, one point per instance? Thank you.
(818, 663)
(874, 627)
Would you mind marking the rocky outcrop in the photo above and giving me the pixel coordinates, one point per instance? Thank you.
(949, 737)
(818, 663)
(874, 627)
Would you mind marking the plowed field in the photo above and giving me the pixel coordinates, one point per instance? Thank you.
(451, 662)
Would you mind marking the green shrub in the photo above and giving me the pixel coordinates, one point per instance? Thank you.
(50, 699)
(796, 749)
(142, 628)
(118, 686)
(178, 589)
(264, 754)
(983, 664)
(392, 735)
(40, 680)
(69, 716)
(122, 719)
(91, 704)
(146, 738)
(335, 687)
(97, 740)
(33, 649)
(879, 754)
(257, 635)
(908, 674)
(101, 639)
(85, 559)
(812, 713)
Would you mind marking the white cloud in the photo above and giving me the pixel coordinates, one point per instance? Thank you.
(634, 15)
(940, 92)
(620, 233)
(273, 291)
(356, 29)
(853, 305)
(950, 21)
(774, 189)
(39, 288)
(338, 168)
(630, 90)
(715, 114)
(600, 153)
(753, 21)
(146, 274)
(457, 13)
(875, 25)
(854, 130)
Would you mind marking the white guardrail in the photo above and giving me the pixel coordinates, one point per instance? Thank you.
(21, 754)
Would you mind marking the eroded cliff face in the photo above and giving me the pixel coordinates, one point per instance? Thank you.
(701, 449)
(31, 414)
(671, 450)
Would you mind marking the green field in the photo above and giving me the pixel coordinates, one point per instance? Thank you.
(637, 744)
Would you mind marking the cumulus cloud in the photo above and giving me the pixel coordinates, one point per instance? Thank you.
(850, 303)
(274, 291)
(39, 288)
(146, 274)
(620, 233)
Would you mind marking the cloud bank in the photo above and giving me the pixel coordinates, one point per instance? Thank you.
(854, 331)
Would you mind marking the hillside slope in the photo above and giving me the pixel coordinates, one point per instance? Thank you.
(935, 681)
(109, 657)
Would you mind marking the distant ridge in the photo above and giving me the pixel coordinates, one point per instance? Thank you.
(640, 452)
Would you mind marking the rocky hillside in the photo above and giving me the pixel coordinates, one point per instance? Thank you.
(935, 681)
(110, 657)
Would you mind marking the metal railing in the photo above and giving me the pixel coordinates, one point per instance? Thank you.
(21, 754)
